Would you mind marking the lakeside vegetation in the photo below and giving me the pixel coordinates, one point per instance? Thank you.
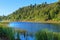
(7, 33)
(47, 35)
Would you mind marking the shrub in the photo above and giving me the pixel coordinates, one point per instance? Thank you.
(6, 33)
(47, 35)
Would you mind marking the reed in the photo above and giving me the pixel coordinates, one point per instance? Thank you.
(47, 35)
(6, 33)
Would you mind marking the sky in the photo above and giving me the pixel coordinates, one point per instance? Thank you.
(9, 6)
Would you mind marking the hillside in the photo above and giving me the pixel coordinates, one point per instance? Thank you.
(40, 12)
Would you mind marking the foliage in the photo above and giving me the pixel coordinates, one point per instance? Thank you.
(6, 33)
(47, 35)
(37, 12)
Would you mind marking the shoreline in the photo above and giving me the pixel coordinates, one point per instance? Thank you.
(39, 21)
(50, 21)
(42, 21)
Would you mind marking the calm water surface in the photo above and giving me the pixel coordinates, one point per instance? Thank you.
(34, 27)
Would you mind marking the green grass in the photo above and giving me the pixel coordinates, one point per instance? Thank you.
(6, 33)
(47, 35)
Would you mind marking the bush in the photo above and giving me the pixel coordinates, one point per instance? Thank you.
(6, 33)
(47, 35)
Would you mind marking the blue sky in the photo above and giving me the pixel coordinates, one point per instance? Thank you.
(9, 6)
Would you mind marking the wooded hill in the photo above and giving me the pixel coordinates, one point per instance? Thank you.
(37, 12)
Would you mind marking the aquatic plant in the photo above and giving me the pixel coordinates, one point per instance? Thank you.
(6, 33)
(47, 35)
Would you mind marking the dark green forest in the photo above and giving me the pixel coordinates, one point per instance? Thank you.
(36, 12)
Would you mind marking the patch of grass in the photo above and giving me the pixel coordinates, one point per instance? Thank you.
(6, 33)
(47, 35)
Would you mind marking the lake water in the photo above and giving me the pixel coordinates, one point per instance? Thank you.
(31, 27)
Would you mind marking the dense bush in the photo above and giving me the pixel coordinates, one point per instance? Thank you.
(46, 35)
(6, 33)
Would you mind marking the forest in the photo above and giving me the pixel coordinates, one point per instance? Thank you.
(36, 12)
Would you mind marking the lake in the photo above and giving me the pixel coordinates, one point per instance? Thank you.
(32, 27)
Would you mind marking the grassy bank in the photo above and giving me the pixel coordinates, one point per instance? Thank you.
(47, 35)
(6, 33)
(4, 24)
(38, 21)
(35, 21)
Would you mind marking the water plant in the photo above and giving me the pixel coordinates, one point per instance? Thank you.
(47, 35)
(6, 33)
